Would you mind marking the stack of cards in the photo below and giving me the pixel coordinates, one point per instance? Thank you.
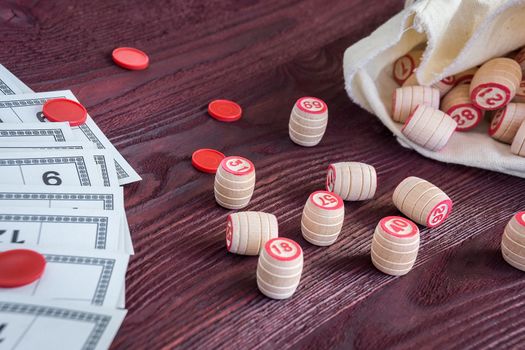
(60, 195)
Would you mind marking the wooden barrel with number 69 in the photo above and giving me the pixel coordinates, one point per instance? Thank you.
(234, 182)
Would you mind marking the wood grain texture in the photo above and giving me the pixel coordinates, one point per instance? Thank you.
(183, 289)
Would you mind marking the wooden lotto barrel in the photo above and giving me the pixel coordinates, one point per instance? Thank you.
(520, 58)
(458, 106)
(518, 144)
(234, 182)
(352, 181)
(513, 241)
(422, 201)
(465, 77)
(520, 93)
(248, 231)
(395, 245)
(495, 83)
(429, 127)
(322, 218)
(279, 268)
(443, 86)
(406, 99)
(506, 122)
(308, 121)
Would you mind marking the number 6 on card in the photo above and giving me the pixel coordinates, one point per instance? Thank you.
(64, 168)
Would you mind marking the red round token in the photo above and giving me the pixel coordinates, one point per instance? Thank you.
(20, 267)
(64, 110)
(225, 110)
(130, 58)
(207, 160)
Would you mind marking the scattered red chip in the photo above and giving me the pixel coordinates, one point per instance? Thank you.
(225, 110)
(130, 58)
(207, 160)
(19, 267)
(64, 110)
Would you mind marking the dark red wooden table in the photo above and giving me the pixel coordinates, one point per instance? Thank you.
(183, 289)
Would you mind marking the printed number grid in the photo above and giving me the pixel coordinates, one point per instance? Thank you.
(100, 322)
(107, 266)
(107, 199)
(101, 161)
(78, 161)
(101, 222)
(121, 173)
(6, 90)
(57, 134)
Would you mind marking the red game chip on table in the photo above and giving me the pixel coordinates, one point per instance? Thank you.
(225, 110)
(19, 267)
(65, 110)
(207, 160)
(130, 58)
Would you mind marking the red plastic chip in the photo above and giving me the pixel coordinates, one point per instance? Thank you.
(130, 58)
(64, 110)
(19, 267)
(225, 110)
(207, 160)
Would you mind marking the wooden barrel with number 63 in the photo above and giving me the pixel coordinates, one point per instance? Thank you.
(234, 182)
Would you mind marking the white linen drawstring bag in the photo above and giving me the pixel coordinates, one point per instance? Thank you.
(459, 34)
